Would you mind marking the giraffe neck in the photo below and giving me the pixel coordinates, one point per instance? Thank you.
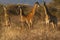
(6, 16)
(46, 10)
(20, 12)
(5, 11)
(33, 10)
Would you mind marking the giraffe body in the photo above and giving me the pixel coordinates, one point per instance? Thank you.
(7, 18)
(49, 18)
(28, 19)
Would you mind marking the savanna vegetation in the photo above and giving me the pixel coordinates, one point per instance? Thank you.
(39, 30)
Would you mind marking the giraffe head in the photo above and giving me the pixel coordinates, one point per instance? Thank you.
(37, 4)
(19, 6)
(5, 8)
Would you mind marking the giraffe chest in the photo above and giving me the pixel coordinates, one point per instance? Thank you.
(47, 19)
(22, 19)
(30, 16)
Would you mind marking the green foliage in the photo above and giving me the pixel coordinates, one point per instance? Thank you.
(56, 2)
(13, 9)
(55, 7)
(1, 8)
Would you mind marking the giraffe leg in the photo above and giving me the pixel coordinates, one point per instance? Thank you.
(6, 23)
(53, 25)
(28, 23)
(46, 24)
(9, 22)
(31, 23)
(56, 26)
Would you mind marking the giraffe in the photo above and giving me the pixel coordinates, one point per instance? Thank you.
(7, 18)
(49, 18)
(28, 19)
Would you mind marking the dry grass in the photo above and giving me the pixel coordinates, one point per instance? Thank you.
(39, 31)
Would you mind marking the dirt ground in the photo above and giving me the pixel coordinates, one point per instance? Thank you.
(39, 31)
